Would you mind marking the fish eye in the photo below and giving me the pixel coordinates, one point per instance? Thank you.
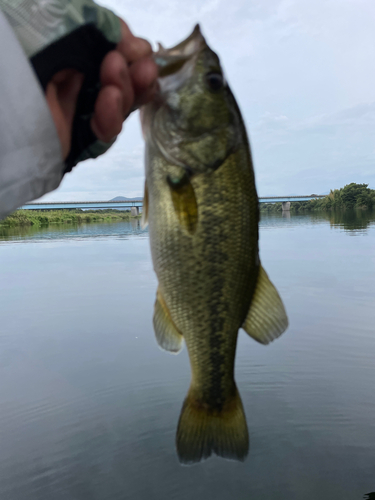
(215, 81)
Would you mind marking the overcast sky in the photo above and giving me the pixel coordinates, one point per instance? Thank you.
(303, 73)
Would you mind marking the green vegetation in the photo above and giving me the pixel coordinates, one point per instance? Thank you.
(358, 196)
(270, 207)
(44, 218)
(353, 195)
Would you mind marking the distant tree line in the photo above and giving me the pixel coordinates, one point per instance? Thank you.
(351, 196)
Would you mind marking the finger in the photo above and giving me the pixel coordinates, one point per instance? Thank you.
(108, 116)
(68, 83)
(114, 71)
(143, 75)
(147, 96)
(131, 47)
(61, 95)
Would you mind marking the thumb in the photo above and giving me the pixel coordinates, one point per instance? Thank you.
(62, 95)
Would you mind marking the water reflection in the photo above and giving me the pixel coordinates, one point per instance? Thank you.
(136, 225)
(89, 404)
(351, 220)
(73, 231)
(354, 221)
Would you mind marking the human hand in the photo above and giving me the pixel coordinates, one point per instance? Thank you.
(128, 79)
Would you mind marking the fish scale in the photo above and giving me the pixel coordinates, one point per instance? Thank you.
(202, 210)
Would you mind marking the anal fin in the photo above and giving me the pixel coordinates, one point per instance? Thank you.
(266, 319)
(166, 333)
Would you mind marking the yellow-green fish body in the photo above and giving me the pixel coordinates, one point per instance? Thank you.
(202, 209)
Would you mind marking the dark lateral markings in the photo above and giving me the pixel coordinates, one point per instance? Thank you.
(369, 496)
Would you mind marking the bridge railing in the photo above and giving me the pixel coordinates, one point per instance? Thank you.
(50, 205)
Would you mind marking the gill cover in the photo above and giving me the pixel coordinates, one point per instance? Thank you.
(192, 121)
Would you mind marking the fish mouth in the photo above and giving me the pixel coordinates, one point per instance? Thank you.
(175, 67)
(170, 61)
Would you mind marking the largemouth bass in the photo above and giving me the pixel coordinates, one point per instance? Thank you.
(201, 205)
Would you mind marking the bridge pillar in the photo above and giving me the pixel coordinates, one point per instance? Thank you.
(285, 206)
(134, 211)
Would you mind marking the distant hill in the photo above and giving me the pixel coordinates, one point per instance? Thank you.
(123, 198)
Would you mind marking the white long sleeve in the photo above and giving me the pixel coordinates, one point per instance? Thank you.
(31, 162)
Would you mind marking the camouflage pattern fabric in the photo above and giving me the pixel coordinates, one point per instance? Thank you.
(39, 23)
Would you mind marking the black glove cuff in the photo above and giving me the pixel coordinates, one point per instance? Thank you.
(84, 50)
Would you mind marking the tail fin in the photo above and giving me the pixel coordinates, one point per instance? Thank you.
(202, 431)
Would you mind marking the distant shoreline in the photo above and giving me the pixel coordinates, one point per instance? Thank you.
(41, 218)
(351, 196)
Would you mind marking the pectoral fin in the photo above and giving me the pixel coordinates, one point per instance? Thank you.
(266, 319)
(184, 201)
(144, 220)
(167, 335)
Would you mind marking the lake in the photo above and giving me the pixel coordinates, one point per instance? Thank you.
(89, 404)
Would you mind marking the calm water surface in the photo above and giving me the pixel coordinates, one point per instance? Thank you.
(89, 404)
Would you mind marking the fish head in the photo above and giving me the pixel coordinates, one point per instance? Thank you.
(194, 119)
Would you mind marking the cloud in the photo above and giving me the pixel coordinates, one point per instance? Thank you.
(303, 76)
(119, 172)
(317, 154)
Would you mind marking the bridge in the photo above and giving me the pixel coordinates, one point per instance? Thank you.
(135, 205)
(286, 200)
